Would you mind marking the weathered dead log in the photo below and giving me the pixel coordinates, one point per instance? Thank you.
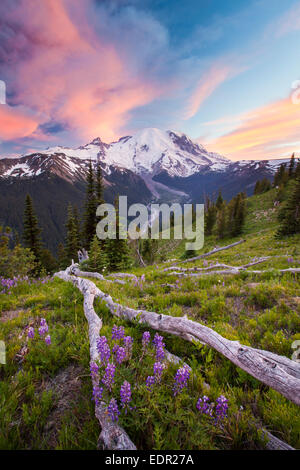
(82, 255)
(218, 265)
(112, 436)
(234, 270)
(209, 253)
(142, 262)
(278, 372)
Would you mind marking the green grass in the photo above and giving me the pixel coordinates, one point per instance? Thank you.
(39, 410)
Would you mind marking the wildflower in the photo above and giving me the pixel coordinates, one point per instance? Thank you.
(109, 376)
(204, 406)
(113, 410)
(120, 354)
(150, 381)
(125, 393)
(157, 370)
(30, 332)
(117, 332)
(128, 341)
(94, 370)
(159, 347)
(48, 340)
(103, 349)
(221, 407)
(181, 377)
(97, 394)
(146, 339)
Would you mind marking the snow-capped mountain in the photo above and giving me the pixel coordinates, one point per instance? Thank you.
(148, 153)
(151, 165)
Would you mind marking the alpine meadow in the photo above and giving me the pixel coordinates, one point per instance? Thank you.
(150, 278)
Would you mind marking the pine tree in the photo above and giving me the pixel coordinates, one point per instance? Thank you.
(117, 249)
(289, 214)
(97, 256)
(99, 186)
(62, 260)
(281, 176)
(72, 237)
(257, 188)
(210, 216)
(291, 166)
(219, 201)
(239, 214)
(297, 171)
(221, 222)
(89, 228)
(32, 231)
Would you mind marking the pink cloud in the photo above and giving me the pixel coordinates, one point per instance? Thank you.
(62, 68)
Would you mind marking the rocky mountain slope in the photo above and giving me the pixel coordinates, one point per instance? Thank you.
(150, 165)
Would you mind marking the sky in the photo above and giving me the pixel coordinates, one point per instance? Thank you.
(225, 73)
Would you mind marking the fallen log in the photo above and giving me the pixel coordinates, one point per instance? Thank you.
(278, 372)
(209, 253)
(218, 265)
(112, 436)
(234, 270)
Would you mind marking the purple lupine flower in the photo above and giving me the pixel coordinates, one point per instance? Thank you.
(48, 340)
(158, 370)
(125, 393)
(94, 370)
(221, 407)
(204, 406)
(159, 347)
(181, 377)
(103, 349)
(158, 340)
(117, 332)
(43, 322)
(290, 260)
(97, 394)
(30, 332)
(160, 353)
(150, 382)
(128, 341)
(109, 376)
(113, 410)
(146, 340)
(120, 354)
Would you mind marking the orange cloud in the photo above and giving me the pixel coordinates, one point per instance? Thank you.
(271, 131)
(15, 123)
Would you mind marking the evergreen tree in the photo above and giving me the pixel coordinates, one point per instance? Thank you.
(210, 216)
(291, 166)
(281, 176)
(289, 214)
(99, 185)
(97, 256)
(89, 228)
(221, 222)
(62, 260)
(297, 170)
(32, 232)
(219, 201)
(257, 188)
(117, 249)
(72, 237)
